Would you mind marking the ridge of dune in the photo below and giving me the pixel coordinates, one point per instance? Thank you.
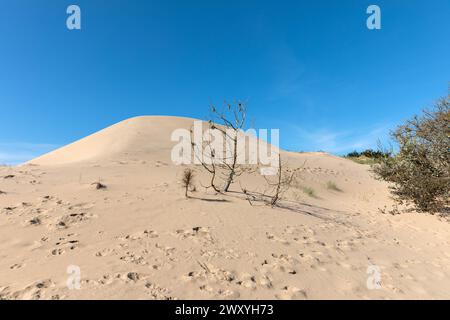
(138, 135)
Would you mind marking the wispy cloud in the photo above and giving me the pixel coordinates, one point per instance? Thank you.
(342, 141)
(19, 152)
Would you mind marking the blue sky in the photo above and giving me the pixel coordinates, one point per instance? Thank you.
(310, 68)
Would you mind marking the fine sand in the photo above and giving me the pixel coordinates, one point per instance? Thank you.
(139, 238)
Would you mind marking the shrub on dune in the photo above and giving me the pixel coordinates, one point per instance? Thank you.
(420, 170)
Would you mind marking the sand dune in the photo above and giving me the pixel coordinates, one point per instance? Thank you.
(140, 239)
(135, 137)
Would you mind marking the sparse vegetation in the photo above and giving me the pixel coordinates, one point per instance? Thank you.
(228, 122)
(282, 184)
(187, 181)
(367, 156)
(333, 186)
(420, 170)
(231, 120)
(206, 151)
(309, 191)
(277, 186)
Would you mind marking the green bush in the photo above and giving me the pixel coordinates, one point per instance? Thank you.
(420, 170)
(368, 153)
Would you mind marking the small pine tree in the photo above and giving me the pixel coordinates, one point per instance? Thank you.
(187, 180)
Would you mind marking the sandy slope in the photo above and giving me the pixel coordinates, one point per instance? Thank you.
(140, 238)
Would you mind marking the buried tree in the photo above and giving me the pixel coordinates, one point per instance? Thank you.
(222, 158)
(420, 170)
(231, 122)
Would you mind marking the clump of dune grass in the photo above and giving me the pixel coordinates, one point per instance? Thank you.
(309, 191)
(333, 186)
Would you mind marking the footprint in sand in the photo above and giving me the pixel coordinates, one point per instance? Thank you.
(211, 272)
(131, 257)
(273, 237)
(8, 210)
(71, 219)
(35, 291)
(106, 252)
(247, 281)
(140, 235)
(65, 244)
(157, 292)
(16, 266)
(197, 234)
(346, 265)
(291, 293)
(283, 263)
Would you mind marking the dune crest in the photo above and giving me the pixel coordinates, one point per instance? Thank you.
(140, 136)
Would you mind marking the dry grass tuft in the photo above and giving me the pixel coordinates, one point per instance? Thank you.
(333, 186)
